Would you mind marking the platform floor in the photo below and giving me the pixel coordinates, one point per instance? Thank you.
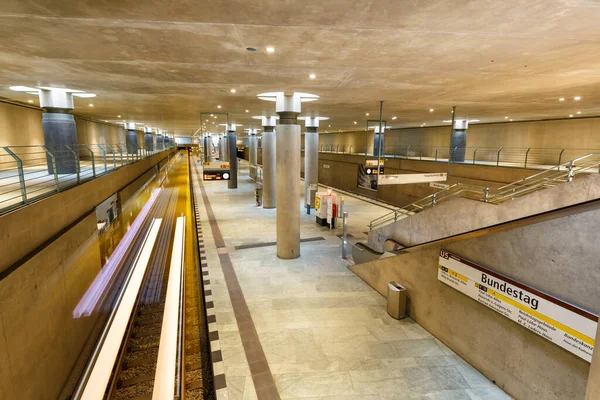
(309, 328)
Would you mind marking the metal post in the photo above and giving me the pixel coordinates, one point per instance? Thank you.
(380, 141)
(436, 153)
(498, 158)
(486, 192)
(433, 201)
(121, 154)
(56, 183)
(21, 174)
(527, 156)
(345, 236)
(451, 133)
(560, 158)
(104, 157)
(114, 156)
(93, 163)
(407, 150)
(475, 154)
(76, 163)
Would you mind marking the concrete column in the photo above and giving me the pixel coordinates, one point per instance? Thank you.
(225, 148)
(211, 148)
(268, 161)
(232, 183)
(131, 141)
(288, 170)
(458, 140)
(60, 133)
(148, 140)
(253, 144)
(311, 158)
(593, 385)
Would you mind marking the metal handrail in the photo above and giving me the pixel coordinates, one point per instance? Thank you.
(28, 173)
(562, 173)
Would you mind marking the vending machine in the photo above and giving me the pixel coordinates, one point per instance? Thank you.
(326, 208)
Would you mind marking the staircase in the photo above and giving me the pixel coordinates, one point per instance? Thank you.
(465, 207)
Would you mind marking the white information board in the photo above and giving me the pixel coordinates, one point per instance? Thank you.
(439, 185)
(403, 179)
(562, 323)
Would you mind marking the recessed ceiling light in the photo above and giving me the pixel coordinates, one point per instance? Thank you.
(247, 110)
(31, 101)
(270, 49)
(394, 117)
(232, 90)
(312, 76)
(330, 126)
(511, 119)
(355, 122)
(367, 114)
(431, 110)
(578, 112)
(505, 117)
(577, 98)
(91, 105)
(570, 115)
(561, 99)
(215, 117)
(218, 106)
(211, 115)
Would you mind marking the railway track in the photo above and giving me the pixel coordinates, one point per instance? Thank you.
(135, 370)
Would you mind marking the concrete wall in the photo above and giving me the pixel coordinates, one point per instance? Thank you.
(342, 173)
(22, 126)
(576, 133)
(461, 215)
(91, 132)
(26, 228)
(559, 256)
(40, 340)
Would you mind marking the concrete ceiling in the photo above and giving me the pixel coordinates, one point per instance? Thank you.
(163, 62)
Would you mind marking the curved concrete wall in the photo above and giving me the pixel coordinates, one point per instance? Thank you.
(558, 256)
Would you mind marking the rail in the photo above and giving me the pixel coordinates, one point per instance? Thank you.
(550, 177)
(28, 173)
(534, 158)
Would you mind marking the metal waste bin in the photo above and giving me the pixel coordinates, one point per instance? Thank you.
(258, 193)
(396, 300)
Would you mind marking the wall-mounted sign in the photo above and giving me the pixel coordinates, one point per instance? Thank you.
(216, 165)
(216, 175)
(373, 170)
(562, 323)
(403, 179)
(439, 185)
(373, 163)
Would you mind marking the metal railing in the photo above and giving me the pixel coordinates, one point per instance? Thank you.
(535, 158)
(28, 173)
(562, 173)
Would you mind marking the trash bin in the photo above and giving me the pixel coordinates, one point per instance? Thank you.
(396, 300)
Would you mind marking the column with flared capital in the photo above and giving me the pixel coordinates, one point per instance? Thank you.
(148, 140)
(232, 183)
(311, 158)
(131, 141)
(253, 145)
(288, 107)
(60, 133)
(268, 161)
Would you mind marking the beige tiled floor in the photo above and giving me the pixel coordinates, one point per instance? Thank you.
(325, 333)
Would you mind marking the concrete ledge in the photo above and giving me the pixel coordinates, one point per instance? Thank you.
(27, 228)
